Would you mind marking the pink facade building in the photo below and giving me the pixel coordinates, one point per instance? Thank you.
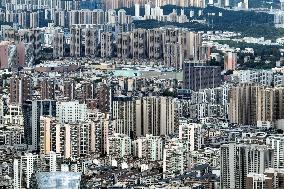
(230, 61)
(13, 55)
(21, 54)
(4, 54)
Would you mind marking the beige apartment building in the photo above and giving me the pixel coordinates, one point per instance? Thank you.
(251, 103)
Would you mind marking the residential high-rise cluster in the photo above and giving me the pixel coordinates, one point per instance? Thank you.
(137, 94)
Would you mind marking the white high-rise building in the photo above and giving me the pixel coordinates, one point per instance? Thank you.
(262, 77)
(140, 147)
(34, 20)
(147, 9)
(119, 145)
(279, 19)
(137, 10)
(277, 144)
(71, 112)
(52, 161)
(175, 157)
(121, 16)
(49, 162)
(191, 132)
(149, 147)
(282, 5)
(17, 176)
(1, 110)
(23, 170)
(246, 4)
(111, 14)
(227, 3)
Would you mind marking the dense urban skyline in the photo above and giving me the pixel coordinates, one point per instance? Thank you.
(141, 94)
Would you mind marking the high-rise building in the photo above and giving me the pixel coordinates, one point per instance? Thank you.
(118, 145)
(170, 35)
(75, 41)
(121, 16)
(14, 55)
(59, 19)
(84, 139)
(279, 19)
(47, 89)
(72, 140)
(12, 136)
(22, 19)
(91, 41)
(85, 92)
(154, 44)
(175, 158)
(69, 89)
(34, 19)
(111, 17)
(50, 162)
(277, 175)
(107, 44)
(242, 108)
(262, 77)
(138, 43)
(47, 124)
(147, 9)
(102, 98)
(58, 44)
(156, 115)
(191, 132)
(98, 17)
(254, 180)
(84, 16)
(251, 103)
(137, 10)
(238, 160)
(13, 115)
(173, 45)
(32, 110)
(230, 61)
(20, 89)
(227, 3)
(173, 55)
(246, 4)
(73, 17)
(4, 50)
(32, 36)
(198, 76)
(124, 115)
(71, 112)
(123, 45)
(101, 129)
(149, 147)
(23, 170)
(276, 142)
(278, 79)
